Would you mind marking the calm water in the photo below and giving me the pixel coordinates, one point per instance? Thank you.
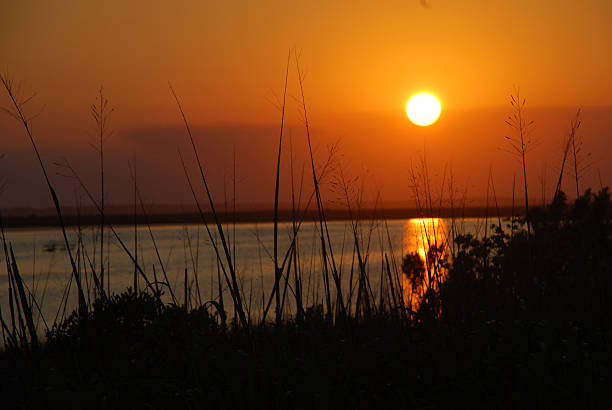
(44, 264)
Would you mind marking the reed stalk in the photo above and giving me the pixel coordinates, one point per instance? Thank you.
(321, 211)
(277, 272)
(101, 112)
(74, 174)
(19, 115)
(213, 241)
(521, 142)
(238, 306)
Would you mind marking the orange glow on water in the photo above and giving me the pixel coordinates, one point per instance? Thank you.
(427, 237)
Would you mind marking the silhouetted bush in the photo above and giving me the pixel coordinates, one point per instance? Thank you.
(561, 272)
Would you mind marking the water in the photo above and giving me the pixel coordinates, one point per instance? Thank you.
(45, 267)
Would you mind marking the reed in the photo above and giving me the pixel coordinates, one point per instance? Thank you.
(234, 290)
(569, 144)
(390, 336)
(521, 142)
(120, 241)
(326, 249)
(101, 112)
(18, 105)
(277, 272)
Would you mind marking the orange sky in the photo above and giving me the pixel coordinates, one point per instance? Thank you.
(363, 60)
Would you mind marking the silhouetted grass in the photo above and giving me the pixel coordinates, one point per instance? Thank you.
(496, 334)
(516, 318)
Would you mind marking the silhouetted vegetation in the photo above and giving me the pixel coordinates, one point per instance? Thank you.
(516, 318)
(562, 272)
(519, 321)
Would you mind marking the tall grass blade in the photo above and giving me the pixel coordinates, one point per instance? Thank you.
(18, 113)
(26, 308)
(277, 273)
(234, 283)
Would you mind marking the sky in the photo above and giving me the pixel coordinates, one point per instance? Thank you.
(362, 61)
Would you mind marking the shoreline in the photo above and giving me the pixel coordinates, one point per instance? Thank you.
(42, 221)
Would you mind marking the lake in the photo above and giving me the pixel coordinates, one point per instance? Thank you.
(45, 267)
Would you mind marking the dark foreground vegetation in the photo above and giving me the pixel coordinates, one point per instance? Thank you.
(519, 321)
(516, 318)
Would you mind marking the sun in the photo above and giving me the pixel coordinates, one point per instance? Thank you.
(423, 109)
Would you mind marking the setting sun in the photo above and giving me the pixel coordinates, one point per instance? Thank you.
(423, 109)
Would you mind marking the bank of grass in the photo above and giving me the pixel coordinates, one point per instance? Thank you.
(520, 322)
(185, 360)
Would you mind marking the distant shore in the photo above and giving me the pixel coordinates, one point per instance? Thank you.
(258, 216)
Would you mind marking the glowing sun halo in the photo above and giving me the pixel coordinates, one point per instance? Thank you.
(423, 109)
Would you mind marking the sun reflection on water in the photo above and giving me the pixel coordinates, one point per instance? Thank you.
(427, 238)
